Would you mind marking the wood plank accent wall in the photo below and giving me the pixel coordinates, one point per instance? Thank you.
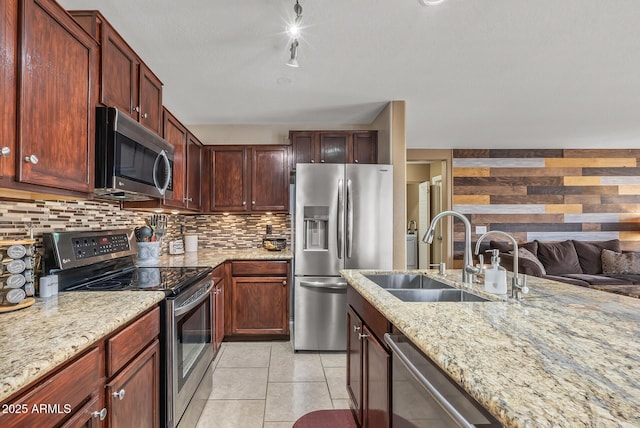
(549, 195)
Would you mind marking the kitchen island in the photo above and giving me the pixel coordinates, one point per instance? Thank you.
(563, 356)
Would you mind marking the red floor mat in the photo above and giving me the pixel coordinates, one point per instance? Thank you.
(341, 418)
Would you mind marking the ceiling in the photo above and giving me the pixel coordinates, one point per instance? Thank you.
(473, 73)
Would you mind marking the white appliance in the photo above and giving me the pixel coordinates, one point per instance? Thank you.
(343, 220)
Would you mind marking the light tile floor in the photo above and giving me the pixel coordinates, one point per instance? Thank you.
(267, 385)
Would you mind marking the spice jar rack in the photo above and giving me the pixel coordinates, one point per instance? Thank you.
(19, 263)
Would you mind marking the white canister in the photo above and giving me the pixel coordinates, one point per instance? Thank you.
(148, 253)
(191, 243)
(48, 286)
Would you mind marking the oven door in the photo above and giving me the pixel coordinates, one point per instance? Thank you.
(189, 349)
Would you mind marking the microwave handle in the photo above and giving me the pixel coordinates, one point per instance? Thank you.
(162, 189)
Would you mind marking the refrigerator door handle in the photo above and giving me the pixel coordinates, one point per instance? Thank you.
(349, 219)
(340, 217)
(320, 284)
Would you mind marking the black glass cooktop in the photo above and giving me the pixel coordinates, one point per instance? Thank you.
(171, 280)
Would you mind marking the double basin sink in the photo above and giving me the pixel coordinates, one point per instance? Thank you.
(421, 288)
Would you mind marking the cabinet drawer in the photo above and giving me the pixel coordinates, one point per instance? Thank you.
(123, 346)
(58, 395)
(245, 268)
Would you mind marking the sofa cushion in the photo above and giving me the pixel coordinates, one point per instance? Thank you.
(524, 254)
(567, 280)
(506, 246)
(589, 254)
(614, 262)
(633, 278)
(559, 257)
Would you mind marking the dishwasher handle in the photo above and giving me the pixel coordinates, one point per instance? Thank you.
(420, 378)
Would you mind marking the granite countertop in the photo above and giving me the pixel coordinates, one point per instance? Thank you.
(37, 339)
(565, 356)
(214, 257)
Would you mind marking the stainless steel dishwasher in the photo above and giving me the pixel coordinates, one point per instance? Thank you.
(423, 396)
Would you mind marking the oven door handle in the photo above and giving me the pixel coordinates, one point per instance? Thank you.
(186, 308)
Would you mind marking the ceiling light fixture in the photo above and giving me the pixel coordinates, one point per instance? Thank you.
(294, 31)
(430, 2)
(293, 61)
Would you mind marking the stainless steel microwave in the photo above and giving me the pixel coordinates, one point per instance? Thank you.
(132, 163)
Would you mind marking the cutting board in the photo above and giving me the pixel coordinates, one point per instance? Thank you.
(25, 303)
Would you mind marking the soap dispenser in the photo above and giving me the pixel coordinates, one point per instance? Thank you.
(495, 276)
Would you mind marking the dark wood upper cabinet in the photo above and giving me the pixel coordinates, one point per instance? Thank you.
(364, 147)
(125, 81)
(248, 178)
(176, 134)
(8, 84)
(333, 147)
(56, 108)
(229, 180)
(269, 178)
(194, 173)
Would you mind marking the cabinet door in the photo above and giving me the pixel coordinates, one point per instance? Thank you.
(260, 305)
(354, 362)
(88, 416)
(194, 173)
(133, 396)
(364, 147)
(304, 147)
(270, 178)
(56, 106)
(150, 100)
(176, 134)
(8, 83)
(333, 147)
(119, 73)
(376, 382)
(229, 179)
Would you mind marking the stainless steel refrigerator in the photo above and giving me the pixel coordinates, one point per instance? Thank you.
(343, 220)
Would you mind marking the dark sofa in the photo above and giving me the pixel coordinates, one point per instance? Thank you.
(594, 264)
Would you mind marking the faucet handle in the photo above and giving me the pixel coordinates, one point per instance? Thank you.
(442, 268)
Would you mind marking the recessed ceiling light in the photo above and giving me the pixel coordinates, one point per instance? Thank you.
(283, 81)
(430, 2)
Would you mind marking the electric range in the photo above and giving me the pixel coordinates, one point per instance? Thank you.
(105, 261)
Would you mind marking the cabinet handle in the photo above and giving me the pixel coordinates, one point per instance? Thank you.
(144, 115)
(253, 202)
(244, 202)
(119, 395)
(136, 109)
(31, 159)
(362, 336)
(187, 199)
(5, 151)
(102, 414)
(284, 282)
(322, 161)
(356, 328)
(312, 161)
(356, 161)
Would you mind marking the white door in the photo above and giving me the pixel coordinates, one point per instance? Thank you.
(424, 219)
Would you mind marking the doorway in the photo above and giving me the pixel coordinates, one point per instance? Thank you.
(424, 200)
(428, 181)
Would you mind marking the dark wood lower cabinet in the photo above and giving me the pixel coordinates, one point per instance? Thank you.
(133, 395)
(368, 363)
(257, 300)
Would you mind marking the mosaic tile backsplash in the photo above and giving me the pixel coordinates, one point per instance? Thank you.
(19, 220)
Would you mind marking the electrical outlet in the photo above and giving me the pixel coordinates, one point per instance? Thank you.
(269, 229)
(480, 230)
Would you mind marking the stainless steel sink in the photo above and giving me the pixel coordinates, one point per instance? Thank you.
(444, 295)
(407, 281)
